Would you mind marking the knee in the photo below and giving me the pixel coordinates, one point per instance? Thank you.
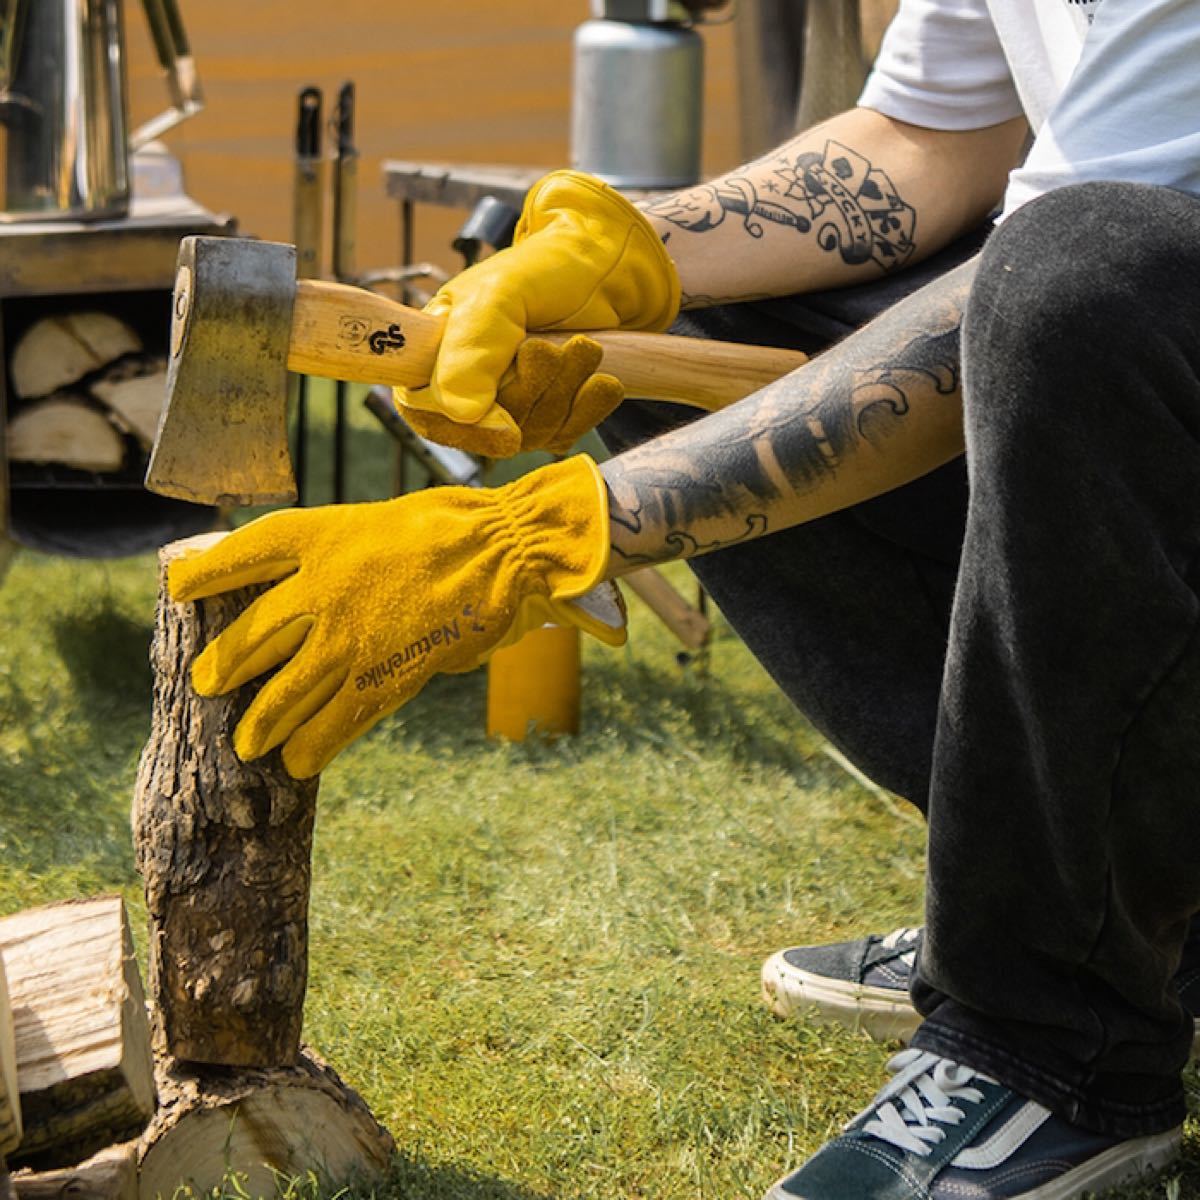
(1079, 270)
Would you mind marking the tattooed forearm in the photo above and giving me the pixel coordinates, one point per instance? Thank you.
(836, 197)
(873, 412)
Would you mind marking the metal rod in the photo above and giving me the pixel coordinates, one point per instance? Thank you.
(308, 212)
(345, 198)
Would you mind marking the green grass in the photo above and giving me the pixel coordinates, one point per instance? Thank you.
(538, 962)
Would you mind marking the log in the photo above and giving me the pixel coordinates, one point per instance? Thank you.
(134, 393)
(110, 1174)
(82, 1039)
(289, 1120)
(58, 351)
(67, 430)
(224, 848)
(10, 1097)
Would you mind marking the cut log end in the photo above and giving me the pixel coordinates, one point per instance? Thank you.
(65, 430)
(58, 351)
(134, 392)
(256, 1126)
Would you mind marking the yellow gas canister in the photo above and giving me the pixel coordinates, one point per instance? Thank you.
(533, 685)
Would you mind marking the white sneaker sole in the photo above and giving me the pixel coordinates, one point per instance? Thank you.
(886, 1014)
(1120, 1164)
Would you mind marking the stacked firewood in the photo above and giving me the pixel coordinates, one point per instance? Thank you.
(108, 1093)
(83, 384)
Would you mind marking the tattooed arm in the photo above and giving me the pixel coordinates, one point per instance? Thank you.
(854, 197)
(874, 412)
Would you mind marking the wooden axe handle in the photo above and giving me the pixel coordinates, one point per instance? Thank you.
(344, 332)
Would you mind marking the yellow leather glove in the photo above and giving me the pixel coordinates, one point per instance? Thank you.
(582, 258)
(553, 394)
(375, 599)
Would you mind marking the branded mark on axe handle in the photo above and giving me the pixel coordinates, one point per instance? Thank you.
(355, 331)
(416, 653)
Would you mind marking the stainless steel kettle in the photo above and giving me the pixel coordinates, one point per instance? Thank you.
(64, 109)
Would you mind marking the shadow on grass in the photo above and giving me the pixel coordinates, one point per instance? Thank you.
(66, 775)
(411, 1178)
(641, 705)
(106, 653)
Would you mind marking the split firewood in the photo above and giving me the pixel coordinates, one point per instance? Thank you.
(225, 852)
(110, 1174)
(134, 391)
(65, 430)
(56, 352)
(261, 1124)
(10, 1099)
(84, 1067)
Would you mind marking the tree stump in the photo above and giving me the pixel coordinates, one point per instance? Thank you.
(224, 849)
(258, 1125)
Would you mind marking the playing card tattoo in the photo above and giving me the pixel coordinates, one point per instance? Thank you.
(837, 196)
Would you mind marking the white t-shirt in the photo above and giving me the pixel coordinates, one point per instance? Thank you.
(1111, 88)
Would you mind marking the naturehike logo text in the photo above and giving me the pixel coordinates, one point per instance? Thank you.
(412, 655)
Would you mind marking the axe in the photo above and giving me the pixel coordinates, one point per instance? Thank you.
(241, 320)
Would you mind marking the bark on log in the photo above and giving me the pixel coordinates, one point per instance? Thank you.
(82, 1040)
(109, 1175)
(224, 848)
(290, 1120)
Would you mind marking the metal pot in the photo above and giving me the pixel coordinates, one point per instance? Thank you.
(63, 104)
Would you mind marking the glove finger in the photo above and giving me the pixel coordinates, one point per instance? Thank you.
(534, 369)
(481, 439)
(260, 552)
(578, 358)
(342, 719)
(295, 695)
(266, 634)
(598, 397)
(481, 337)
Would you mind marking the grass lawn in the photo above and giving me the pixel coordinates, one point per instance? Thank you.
(538, 963)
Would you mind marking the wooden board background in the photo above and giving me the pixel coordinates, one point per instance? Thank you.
(456, 81)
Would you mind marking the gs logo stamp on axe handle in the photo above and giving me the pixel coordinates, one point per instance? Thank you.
(353, 331)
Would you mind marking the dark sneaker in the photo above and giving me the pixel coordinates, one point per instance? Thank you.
(864, 984)
(941, 1131)
(861, 984)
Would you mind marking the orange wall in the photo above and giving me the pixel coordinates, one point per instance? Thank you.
(456, 81)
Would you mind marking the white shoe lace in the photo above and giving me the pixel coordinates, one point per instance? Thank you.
(903, 937)
(909, 1111)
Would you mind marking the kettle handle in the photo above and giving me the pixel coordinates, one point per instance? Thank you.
(175, 56)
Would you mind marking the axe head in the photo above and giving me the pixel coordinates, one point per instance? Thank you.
(222, 436)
